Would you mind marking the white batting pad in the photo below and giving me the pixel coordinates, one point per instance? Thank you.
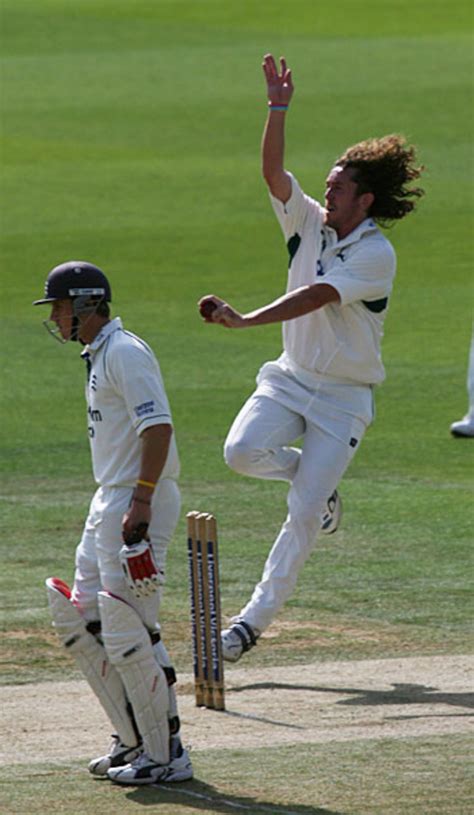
(129, 648)
(92, 659)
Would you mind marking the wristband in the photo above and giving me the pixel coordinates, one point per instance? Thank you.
(141, 500)
(150, 484)
(277, 107)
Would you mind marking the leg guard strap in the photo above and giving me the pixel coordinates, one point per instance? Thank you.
(163, 659)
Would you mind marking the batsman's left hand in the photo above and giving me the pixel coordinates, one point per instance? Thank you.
(135, 523)
(141, 571)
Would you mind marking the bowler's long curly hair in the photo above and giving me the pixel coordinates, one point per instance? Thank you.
(385, 167)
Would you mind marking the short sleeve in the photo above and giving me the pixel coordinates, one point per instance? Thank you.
(368, 274)
(298, 212)
(134, 372)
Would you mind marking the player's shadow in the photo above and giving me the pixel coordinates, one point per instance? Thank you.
(401, 693)
(204, 797)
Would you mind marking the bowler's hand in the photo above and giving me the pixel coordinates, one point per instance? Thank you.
(207, 305)
(221, 313)
(227, 316)
(279, 83)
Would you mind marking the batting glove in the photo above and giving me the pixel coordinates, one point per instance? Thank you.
(142, 574)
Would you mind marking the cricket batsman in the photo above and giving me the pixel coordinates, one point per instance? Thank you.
(108, 620)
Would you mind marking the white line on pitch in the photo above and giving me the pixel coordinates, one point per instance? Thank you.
(223, 801)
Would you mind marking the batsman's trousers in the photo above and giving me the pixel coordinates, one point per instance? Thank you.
(97, 555)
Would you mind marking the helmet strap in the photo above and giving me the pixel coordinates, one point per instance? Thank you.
(74, 329)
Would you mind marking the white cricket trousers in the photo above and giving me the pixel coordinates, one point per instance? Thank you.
(330, 419)
(97, 555)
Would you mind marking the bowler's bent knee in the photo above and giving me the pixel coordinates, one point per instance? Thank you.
(240, 457)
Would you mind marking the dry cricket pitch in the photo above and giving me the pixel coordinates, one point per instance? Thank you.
(315, 703)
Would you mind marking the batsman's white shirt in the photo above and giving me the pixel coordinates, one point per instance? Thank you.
(125, 395)
(342, 340)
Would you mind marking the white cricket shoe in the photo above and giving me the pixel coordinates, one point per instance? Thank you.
(238, 639)
(331, 517)
(464, 428)
(144, 770)
(119, 754)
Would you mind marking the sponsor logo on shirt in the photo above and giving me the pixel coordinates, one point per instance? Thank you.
(95, 415)
(319, 264)
(144, 408)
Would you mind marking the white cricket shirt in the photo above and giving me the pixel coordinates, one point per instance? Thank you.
(341, 341)
(125, 394)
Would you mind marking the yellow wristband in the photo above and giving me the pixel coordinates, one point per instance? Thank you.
(146, 483)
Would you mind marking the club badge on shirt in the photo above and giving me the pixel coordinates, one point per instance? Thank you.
(144, 409)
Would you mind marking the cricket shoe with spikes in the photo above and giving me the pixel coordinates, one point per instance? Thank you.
(118, 756)
(144, 770)
(238, 639)
(331, 517)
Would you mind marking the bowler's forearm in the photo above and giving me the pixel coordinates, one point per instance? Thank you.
(291, 305)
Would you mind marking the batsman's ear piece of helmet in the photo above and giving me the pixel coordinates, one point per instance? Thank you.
(76, 278)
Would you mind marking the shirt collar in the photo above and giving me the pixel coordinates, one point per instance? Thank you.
(105, 331)
(366, 226)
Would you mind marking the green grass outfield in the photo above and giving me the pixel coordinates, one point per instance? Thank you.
(131, 135)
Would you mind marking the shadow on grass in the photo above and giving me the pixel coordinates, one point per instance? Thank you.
(203, 796)
(400, 694)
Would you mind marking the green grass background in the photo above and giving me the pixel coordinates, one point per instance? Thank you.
(130, 137)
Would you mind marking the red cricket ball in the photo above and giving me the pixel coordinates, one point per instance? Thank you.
(207, 309)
